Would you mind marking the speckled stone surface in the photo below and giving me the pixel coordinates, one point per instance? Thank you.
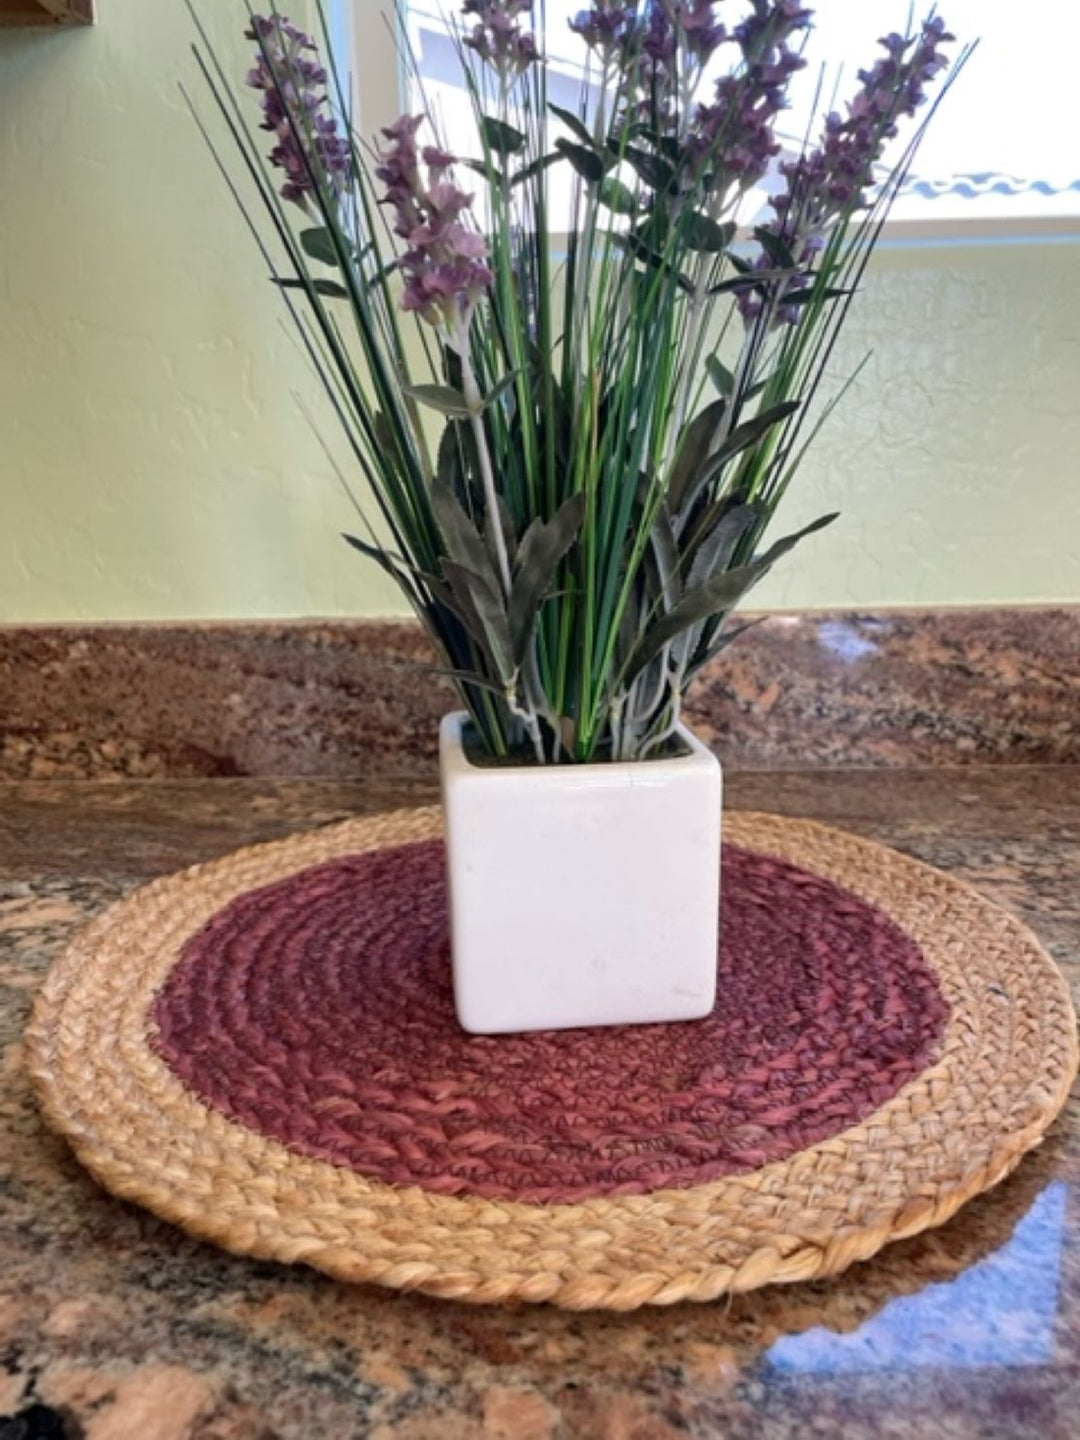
(344, 699)
(126, 1329)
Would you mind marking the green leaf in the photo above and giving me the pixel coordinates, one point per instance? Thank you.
(637, 247)
(720, 376)
(693, 452)
(534, 167)
(749, 279)
(586, 162)
(543, 548)
(617, 196)
(500, 137)
(489, 172)
(501, 388)
(774, 248)
(814, 292)
(443, 398)
(381, 273)
(319, 244)
(328, 288)
(702, 232)
(574, 124)
(668, 145)
(654, 230)
(653, 169)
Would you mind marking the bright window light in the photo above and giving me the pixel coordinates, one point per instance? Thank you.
(1002, 147)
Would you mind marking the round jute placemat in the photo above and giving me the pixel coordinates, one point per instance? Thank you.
(262, 1050)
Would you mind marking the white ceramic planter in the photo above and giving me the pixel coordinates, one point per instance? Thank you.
(582, 894)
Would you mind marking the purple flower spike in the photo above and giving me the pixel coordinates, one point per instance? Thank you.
(734, 139)
(660, 41)
(836, 178)
(697, 25)
(444, 265)
(607, 28)
(837, 175)
(498, 38)
(296, 109)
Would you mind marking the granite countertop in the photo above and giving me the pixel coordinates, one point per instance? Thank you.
(115, 1326)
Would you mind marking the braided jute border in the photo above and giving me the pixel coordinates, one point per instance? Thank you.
(1007, 1061)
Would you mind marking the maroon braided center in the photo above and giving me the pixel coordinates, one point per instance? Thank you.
(318, 1011)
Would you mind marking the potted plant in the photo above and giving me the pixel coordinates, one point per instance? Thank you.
(576, 419)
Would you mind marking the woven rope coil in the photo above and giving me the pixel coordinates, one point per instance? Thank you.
(1003, 1071)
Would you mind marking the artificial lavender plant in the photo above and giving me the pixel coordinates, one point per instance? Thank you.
(576, 430)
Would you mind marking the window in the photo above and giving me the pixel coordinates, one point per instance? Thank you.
(1001, 152)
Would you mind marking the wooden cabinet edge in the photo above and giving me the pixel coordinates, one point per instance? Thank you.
(46, 12)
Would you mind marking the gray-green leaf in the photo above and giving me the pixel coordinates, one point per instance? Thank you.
(330, 289)
(573, 123)
(489, 172)
(666, 554)
(693, 452)
(543, 547)
(702, 232)
(384, 433)
(814, 292)
(618, 196)
(653, 169)
(501, 387)
(717, 595)
(748, 279)
(586, 162)
(722, 638)
(507, 529)
(390, 560)
(534, 167)
(642, 251)
(463, 677)
(464, 543)
(720, 376)
(775, 248)
(319, 244)
(789, 542)
(443, 398)
(749, 433)
(720, 593)
(500, 137)
(486, 612)
(714, 550)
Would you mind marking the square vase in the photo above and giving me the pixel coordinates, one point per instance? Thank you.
(581, 894)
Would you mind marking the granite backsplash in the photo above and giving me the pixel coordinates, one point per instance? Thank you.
(353, 699)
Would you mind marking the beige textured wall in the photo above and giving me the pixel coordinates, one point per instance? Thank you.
(155, 466)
